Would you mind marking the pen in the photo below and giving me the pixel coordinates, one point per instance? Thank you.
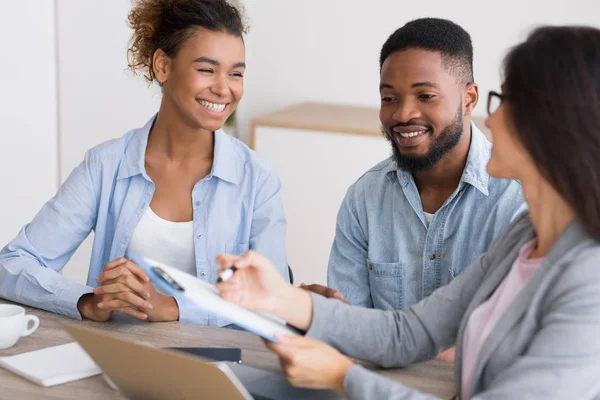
(226, 275)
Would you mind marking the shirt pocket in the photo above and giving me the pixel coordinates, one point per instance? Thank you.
(386, 283)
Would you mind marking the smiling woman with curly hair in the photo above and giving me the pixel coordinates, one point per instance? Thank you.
(177, 191)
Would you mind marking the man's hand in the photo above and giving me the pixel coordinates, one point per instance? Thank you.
(447, 356)
(324, 291)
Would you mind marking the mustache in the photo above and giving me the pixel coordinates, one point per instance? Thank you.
(411, 123)
(388, 132)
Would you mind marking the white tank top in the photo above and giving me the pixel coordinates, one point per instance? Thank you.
(428, 217)
(167, 242)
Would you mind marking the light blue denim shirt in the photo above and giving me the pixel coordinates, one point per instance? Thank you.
(385, 255)
(235, 208)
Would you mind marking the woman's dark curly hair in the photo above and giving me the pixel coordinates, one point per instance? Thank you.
(166, 24)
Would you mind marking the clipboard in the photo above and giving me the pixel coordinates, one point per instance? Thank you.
(188, 288)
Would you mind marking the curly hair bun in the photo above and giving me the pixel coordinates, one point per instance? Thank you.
(166, 24)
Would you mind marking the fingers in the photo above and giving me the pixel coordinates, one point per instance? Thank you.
(289, 345)
(124, 283)
(288, 359)
(231, 285)
(283, 351)
(289, 356)
(447, 356)
(231, 295)
(337, 295)
(323, 291)
(319, 289)
(124, 299)
(226, 260)
(252, 259)
(231, 291)
(300, 342)
(115, 263)
(126, 268)
(133, 312)
(270, 345)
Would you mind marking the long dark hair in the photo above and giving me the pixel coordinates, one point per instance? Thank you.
(552, 84)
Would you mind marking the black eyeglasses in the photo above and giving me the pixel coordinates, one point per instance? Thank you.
(494, 101)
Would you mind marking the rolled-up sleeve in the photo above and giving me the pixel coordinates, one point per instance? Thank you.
(30, 263)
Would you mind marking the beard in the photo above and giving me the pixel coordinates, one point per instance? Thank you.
(445, 142)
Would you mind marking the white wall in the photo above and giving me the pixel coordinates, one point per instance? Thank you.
(328, 50)
(99, 98)
(28, 160)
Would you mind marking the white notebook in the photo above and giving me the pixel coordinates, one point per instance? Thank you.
(53, 365)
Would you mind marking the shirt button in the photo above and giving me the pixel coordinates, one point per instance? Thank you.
(198, 203)
(370, 266)
(432, 257)
(203, 273)
(199, 236)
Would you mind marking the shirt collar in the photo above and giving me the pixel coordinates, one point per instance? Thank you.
(226, 163)
(475, 173)
(134, 159)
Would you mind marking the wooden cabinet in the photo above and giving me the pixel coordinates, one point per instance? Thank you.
(318, 150)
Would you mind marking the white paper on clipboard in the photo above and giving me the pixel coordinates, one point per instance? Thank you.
(206, 296)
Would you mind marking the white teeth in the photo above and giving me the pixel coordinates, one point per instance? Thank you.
(411, 134)
(212, 106)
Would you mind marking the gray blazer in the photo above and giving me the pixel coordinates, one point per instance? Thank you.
(546, 345)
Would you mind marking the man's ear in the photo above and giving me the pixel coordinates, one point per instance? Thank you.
(471, 97)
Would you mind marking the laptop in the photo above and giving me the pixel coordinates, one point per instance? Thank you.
(140, 371)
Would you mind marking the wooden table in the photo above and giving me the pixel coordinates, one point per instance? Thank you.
(432, 377)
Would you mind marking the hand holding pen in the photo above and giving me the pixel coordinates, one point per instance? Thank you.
(259, 286)
(250, 281)
(226, 275)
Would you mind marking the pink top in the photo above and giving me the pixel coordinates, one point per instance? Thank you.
(482, 320)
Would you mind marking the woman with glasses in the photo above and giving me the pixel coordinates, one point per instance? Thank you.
(178, 190)
(525, 317)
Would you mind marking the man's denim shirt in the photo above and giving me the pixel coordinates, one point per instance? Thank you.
(385, 255)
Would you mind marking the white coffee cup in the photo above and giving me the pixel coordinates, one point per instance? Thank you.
(14, 323)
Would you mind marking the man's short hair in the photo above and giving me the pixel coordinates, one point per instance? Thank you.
(435, 34)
